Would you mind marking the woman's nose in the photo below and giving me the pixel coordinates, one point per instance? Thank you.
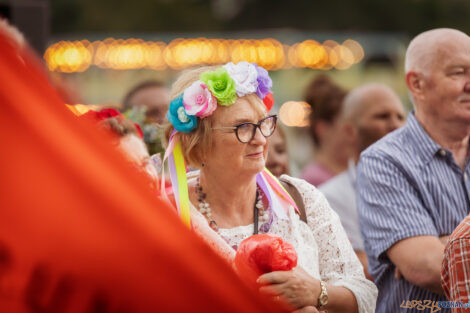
(258, 139)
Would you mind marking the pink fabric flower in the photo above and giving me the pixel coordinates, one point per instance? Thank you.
(198, 100)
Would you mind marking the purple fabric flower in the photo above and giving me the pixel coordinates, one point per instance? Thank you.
(264, 82)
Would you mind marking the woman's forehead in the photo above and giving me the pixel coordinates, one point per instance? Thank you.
(242, 110)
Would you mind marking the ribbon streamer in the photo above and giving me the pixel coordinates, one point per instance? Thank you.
(168, 151)
(278, 188)
(178, 178)
(278, 209)
(183, 194)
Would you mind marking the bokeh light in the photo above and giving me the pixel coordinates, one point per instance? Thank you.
(69, 57)
(355, 48)
(295, 113)
(311, 54)
(333, 57)
(180, 53)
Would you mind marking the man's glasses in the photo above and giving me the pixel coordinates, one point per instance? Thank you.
(246, 131)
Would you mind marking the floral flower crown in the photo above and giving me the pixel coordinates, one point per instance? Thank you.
(222, 87)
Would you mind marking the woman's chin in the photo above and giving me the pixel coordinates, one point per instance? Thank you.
(254, 166)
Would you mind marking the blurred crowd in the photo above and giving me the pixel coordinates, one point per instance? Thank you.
(379, 216)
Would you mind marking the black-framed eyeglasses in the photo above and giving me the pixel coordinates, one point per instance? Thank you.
(245, 132)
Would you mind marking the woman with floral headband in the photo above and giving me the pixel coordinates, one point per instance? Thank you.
(219, 123)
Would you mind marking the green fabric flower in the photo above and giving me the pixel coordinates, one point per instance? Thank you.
(221, 85)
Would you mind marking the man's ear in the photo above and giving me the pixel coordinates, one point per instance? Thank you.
(350, 131)
(416, 84)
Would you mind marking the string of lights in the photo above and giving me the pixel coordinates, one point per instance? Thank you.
(126, 54)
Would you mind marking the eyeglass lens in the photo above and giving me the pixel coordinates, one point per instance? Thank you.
(246, 132)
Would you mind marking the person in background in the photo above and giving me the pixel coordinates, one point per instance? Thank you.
(413, 185)
(128, 139)
(332, 148)
(278, 158)
(455, 275)
(370, 112)
(152, 95)
(147, 104)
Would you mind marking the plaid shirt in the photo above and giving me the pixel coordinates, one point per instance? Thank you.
(455, 276)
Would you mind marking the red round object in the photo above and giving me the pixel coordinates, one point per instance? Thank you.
(265, 253)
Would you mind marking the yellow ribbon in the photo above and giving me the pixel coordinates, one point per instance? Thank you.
(182, 185)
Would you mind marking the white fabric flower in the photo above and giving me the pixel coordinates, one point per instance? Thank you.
(245, 76)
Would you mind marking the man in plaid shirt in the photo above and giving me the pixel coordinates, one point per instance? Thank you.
(455, 276)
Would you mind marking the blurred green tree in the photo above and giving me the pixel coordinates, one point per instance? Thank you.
(405, 16)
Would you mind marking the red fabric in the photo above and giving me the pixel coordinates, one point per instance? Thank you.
(265, 253)
(108, 113)
(101, 114)
(80, 231)
(269, 101)
(455, 276)
(139, 130)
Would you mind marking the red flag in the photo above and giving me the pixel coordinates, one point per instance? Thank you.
(80, 231)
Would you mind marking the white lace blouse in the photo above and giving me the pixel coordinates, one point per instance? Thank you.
(322, 246)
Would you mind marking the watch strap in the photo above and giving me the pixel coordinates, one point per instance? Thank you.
(323, 297)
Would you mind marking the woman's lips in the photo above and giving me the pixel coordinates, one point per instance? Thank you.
(255, 155)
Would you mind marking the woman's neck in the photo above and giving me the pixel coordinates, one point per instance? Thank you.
(231, 198)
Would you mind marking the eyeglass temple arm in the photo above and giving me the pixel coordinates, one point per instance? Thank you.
(227, 127)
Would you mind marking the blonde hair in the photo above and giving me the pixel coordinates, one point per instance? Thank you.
(196, 144)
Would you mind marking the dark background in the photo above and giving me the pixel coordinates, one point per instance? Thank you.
(406, 16)
(41, 20)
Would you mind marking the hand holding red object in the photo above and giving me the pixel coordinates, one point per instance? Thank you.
(265, 253)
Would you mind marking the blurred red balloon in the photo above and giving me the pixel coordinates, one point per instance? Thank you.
(264, 253)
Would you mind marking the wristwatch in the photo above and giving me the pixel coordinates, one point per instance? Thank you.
(323, 297)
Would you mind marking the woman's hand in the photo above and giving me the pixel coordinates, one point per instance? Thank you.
(296, 287)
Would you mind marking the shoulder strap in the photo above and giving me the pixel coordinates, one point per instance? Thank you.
(294, 193)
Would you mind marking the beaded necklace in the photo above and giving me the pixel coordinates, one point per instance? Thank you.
(260, 213)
